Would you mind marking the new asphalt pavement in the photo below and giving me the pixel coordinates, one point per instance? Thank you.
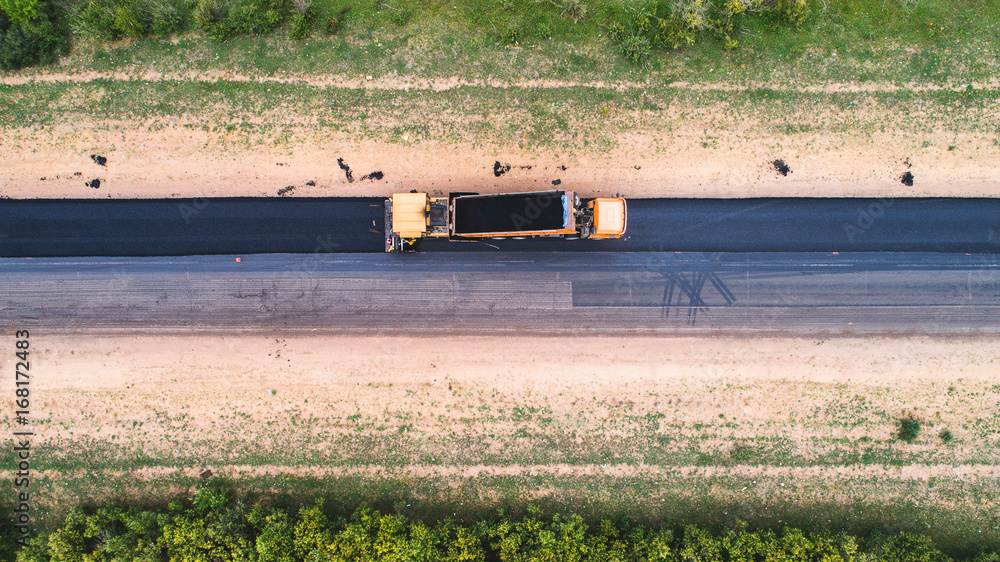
(181, 227)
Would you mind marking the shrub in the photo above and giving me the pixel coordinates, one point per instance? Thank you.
(906, 547)
(222, 19)
(211, 497)
(909, 428)
(674, 33)
(298, 26)
(20, 11)
(744, 454)
(509, 34)
(544, 29)
(97, 19)
(334, 21)
(210, 16)
(575, 10)
(30, 42)
(635, 49)
(332, 25)
(167, 18)
(737, 7)
(304, 14)
(946, 435)
(793, 12)
(312, 530)
(128, 20)
(17, 48)
(693, 13)
(275, 542)
(674, 24)
(616, 31)
(254, 17)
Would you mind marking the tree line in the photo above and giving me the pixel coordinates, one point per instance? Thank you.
(212, 525)
(38, 31)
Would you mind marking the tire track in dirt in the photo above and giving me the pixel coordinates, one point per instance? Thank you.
(454, 82)
(794, 473)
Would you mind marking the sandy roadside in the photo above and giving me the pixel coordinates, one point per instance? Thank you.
(413, 399)
(174, 162)
(754, 428)
(675, 151)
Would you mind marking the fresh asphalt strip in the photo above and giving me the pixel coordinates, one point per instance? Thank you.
(244, 226)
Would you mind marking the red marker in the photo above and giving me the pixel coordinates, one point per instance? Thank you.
(238, 260)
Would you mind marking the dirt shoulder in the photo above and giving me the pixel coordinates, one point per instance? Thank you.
(760, 423)
(212, 137)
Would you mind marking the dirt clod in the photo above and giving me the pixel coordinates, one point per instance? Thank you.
(376, 175)
(99, 160)
(285, 191)
(563, 168)
(346, 169)
(556, 182)
(500, 169)
(311, 183)
(781, 167)
(907, 179)
(94, 183)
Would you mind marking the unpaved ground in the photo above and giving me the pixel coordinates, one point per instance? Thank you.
(717, 419)
(175, 163)
(666, 149)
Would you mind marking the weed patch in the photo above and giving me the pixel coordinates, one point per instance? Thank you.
(909, 429)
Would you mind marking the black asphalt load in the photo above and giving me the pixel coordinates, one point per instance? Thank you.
(297, 225)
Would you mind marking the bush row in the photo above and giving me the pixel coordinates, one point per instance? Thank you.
(673, 24)
(30, 32)
(220, 19)
(213, 526)
(36, 31)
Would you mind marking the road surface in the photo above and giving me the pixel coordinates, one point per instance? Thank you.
(497, 292)
(178, 227)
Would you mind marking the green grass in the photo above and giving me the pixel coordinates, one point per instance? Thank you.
(580, 118)
(574, 118)
(852, 432)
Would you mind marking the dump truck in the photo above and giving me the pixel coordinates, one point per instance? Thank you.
(410, 217)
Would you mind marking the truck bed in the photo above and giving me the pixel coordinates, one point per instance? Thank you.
(511, 213)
